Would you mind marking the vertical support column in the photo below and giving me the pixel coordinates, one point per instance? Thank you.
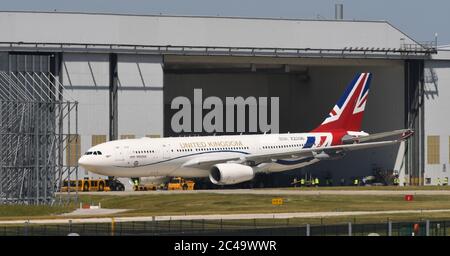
(414, 109)
(69, 138)
(427, 228)
(2, 157)
(422, 122)
(56, 70)
(408, 143)
(36, 145)
(349, 229)
(78, 149)
(113, 85)
(389, 228)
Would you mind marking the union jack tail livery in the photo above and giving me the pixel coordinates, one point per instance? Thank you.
(347, 114)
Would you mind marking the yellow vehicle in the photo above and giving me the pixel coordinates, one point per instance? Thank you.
(92, 185)
(145, 187)
(179, 183)
(74, 186)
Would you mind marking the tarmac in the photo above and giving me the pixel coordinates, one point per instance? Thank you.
(273, 192)
(216, 217)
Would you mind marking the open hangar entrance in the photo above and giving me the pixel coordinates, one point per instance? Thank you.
(306, 88)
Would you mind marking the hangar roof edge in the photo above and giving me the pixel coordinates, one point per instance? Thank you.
(22, 29)
(194, 16)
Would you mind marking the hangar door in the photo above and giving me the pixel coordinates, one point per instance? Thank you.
(296, 97)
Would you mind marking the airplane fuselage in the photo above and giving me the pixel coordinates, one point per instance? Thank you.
(169, 156)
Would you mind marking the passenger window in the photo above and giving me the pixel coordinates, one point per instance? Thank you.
(95, 153)
(99, 153)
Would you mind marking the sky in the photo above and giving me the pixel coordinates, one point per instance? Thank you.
(420, 19)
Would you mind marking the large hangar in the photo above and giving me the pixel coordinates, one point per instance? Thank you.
(129, 74)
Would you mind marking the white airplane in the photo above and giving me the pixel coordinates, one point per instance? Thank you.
(234, 159)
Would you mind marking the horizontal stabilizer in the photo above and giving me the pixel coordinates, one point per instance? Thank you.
(402, 134)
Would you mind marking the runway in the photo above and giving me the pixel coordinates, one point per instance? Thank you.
(218, 217)
(272, 192)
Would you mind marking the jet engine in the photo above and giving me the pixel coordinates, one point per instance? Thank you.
(230, 173)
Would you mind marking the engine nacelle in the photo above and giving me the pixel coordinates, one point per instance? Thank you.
(328, 156)
(230, 173)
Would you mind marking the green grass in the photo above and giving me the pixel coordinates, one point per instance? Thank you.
(422, 188)
(180, 204)
(20, 211)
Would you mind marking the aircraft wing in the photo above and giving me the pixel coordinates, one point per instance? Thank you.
(207, 162)
(311, 152)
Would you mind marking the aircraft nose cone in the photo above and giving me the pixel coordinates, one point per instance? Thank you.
(86, 162)
(82, 161)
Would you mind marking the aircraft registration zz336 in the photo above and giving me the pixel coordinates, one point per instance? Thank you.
(235, 159)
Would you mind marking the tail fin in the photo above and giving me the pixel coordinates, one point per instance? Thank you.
(348, 112)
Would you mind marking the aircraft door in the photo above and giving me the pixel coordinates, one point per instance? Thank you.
(119, 155)
(166, 151)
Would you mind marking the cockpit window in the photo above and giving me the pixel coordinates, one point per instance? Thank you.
(93, 153)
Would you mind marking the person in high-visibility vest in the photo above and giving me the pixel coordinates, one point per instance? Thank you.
(135, 184)
(445, 181)
(356, 182)
(396, 181)
(317, 182)
(438, 181)
(302, 182)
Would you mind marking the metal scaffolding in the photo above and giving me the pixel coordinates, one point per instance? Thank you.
(37, 129)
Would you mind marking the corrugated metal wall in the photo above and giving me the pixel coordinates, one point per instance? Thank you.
(437, 121)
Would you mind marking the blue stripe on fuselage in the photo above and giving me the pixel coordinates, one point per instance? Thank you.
(310, 142)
